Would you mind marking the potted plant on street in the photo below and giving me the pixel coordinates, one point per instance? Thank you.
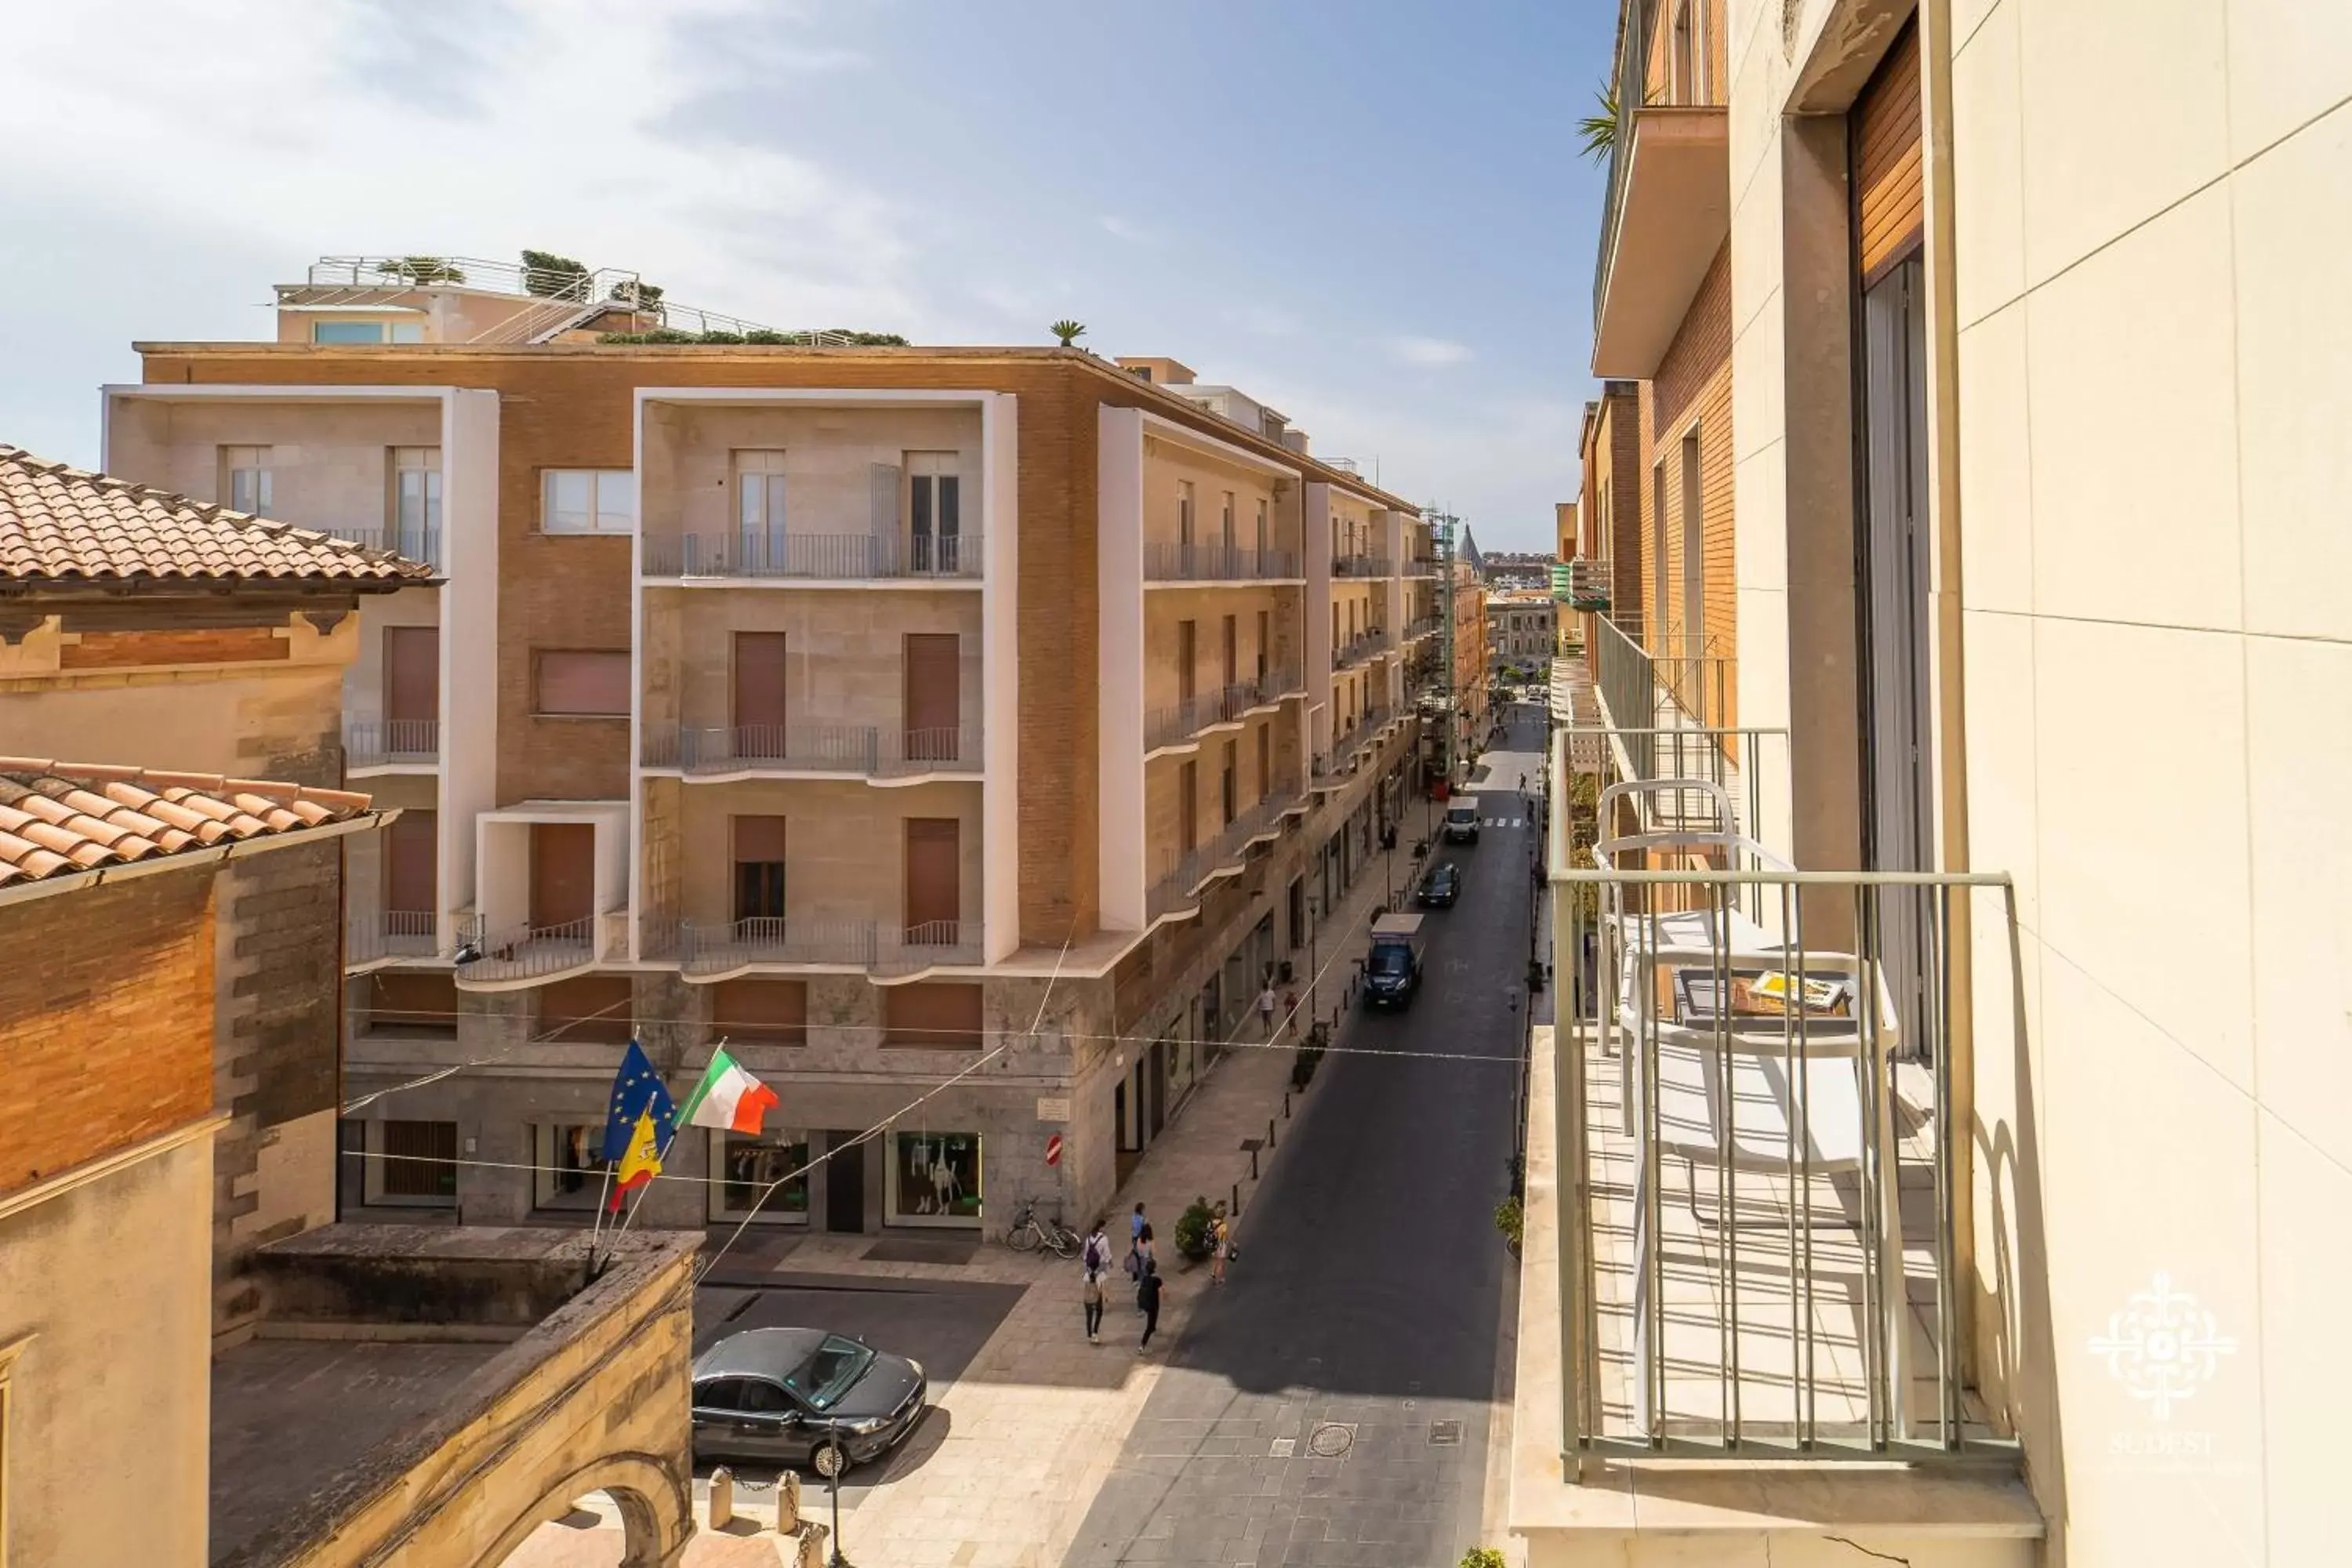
(1193, 1237)
(1511, 1219)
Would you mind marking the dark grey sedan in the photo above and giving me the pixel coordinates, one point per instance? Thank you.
(783, 1393)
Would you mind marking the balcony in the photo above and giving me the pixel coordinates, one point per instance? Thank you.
(1361, 646)
(1681, 683)
(1588, 584)
(372, 938)
(1175, 724)
(718, 755)
(770, 556)
(1742, 1169)
(524, 954)
(1182, 875)
(1668, 213)
(1425, 626)
(1361, 566)
(1421, 566)
(374, 744)
(707, 951)
(1217, 563)
(906, 951)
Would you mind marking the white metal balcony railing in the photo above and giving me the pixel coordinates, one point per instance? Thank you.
(526, 952)
(417, 542)
(1173, 723)
(850, 750)
(1754, 1131)
(379, 742)
(1215, 563)
(709, 950)
(1361, 566)
(820, 557)
(1675, 681)
(371, 936)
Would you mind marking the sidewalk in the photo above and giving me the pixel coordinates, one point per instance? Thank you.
(1009, 1462)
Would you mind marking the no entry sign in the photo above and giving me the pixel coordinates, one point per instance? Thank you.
(1054, 1150)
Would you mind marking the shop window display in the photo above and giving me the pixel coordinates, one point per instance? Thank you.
(934, 1179)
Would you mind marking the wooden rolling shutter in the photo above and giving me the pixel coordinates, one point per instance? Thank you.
(411, 870)
(760, 680)
(411, 673)
(562, 873)
(1889, 198)
(933, 872)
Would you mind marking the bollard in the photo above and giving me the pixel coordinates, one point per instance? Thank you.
(1285, 1105)
(1269, 1131)
(1237, 1201)
(788, 1502)
(811, 1552)
(1253, 1164)
(722, 1498)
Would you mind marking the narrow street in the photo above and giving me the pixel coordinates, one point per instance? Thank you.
(1330, 1403)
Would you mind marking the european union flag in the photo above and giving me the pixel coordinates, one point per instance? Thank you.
(638, 1093)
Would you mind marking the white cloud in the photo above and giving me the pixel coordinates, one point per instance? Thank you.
(295, 130)
(1429, 352)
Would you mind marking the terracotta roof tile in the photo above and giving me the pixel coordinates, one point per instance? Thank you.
(60, 818)
(65, 524)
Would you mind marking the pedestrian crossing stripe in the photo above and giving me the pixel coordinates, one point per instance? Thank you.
(1506, 821)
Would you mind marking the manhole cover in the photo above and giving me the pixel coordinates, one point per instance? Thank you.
(1283, 1448)
(1331, 1439)
(1444, 1433)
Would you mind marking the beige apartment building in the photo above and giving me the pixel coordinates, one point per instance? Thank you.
(1519, 633)
(881, 712)
(2007, 1233)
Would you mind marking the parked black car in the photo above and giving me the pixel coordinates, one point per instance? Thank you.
(783, 1393)
(1441, 888)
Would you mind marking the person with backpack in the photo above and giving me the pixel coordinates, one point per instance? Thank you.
(1147, 1296)
(1094, 1261)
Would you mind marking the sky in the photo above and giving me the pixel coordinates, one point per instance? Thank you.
(1370, 214)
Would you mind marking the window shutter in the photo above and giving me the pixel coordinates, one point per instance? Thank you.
(589, 684)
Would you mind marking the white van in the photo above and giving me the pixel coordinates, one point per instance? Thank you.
(1462, 819)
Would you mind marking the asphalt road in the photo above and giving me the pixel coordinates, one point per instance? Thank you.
(1330, 1406)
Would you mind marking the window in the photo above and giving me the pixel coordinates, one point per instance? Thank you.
(245, 479)
(758, 867)
(1187, 648)
(1265, 640)
(569, 684)
(760, 1012)
(408, 1002)
(413, 510)
(1188, 806)
(934, 511)
(367, 331)
(1225, 522)
(933, 1179)
(748, 1166)
(1264, 543)
(1264, 761)
(1658, 551)
(933, 1014)
(1184, 513)
(1694, 520)
(412, 1163)
(1231, 666)
(1230, 783)
(588, 500)
(571, 1160)
(760, 509)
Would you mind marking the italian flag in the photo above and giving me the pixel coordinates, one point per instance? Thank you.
(727, 1097)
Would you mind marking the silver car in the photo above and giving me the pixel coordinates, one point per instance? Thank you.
(783, 1393)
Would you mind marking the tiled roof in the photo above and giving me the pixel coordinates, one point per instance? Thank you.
(66, 524)
(57, 818)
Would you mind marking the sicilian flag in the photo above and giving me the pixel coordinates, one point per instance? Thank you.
(639, 1122)
(727, 1097)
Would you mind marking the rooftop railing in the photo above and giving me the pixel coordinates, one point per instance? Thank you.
(1215, 563)
(763, 554)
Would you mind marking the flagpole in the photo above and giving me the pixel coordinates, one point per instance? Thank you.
(661, 1155)
(597, 1225)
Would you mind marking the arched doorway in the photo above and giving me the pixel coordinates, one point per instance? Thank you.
(624, 1512)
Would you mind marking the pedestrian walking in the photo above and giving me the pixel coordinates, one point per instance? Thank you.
(1221, 1243)
(1265, 1010)
(1290, 1011)
(1090, 1292)
(1147, 1296)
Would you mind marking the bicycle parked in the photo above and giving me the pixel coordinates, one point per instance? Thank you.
(1030, 1232)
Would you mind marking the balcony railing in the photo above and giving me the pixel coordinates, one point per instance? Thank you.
(1361, 646)
(708, 949)
(371, 936)
(761, 555)
(1756, 1128)
(1421, 566)
(904, 950)
(417, 542)
(1361, 566)
(526, 952)
(850, 750)
(1215, 563)
(380, 742)
(1680, 683)
(1174, 723)
(1414, 630)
